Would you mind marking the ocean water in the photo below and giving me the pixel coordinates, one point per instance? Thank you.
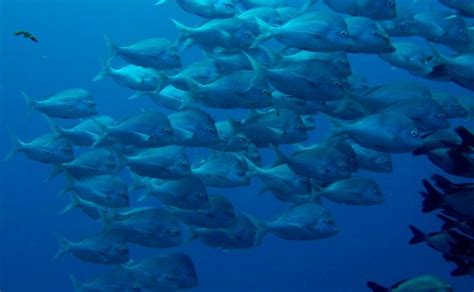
(372, 244)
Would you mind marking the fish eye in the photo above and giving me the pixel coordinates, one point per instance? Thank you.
(110, 165)
(462, 31)
(136, 289)
(201, 196)
(166, 130)
(228, 5)
(171, 278)
(414, 133)
(336, 84)
(375, 33)
(123, 194)
(122, 250)
(254, 232)
(441, 116)
(343, 166)
(184, 164)
(241, 139)
(389, 3)
(211, 130)
(301, 128)
(67, 149)
(247, 34)
(344, 62)
(240, 173)
(330, 221)
(343, 33)
(266, 92)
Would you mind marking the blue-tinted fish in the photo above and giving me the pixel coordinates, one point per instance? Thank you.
(207, 8)
(156, 53)
(374, 9)
(304, 222)
(133, 77)
(168, 162)
(49, 148)
(194, 128)
(67, 104)
(103, 248)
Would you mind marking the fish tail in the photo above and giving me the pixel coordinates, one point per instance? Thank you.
(194, 87)
(75, 283)
(74, 203)
(433, 198)
(57, 169)
(54, 127)
(418, 235)
(69, 185)
(376, 287)
(30, 102)
(260, 71)
(65, 245)
(106, 70)
(266, 32)
(448, 223)
(104, 134)
(442, 182)
(185, 30)
(113, 48)
(280, 158)
(138, 182)
(306, 6)
(17, 145)
(462, 268)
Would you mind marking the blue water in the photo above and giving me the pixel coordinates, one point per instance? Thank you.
(373, 242)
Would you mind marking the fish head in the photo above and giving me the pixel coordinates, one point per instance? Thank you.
(245, 38)
(326, 226)
(88, 106)
(374, 194)
(340, 37)
(120, 252)
(343, 66)
(458, 34)
(385, 9)
(181, 166)
(253, 155)
(308, 122)
(225, 7)
(238, 175)
(172, 59)
(410, 138)
(63, 150)
(384, 163)
(119, 197)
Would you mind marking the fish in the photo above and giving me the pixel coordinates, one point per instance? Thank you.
(367, 36)
(373, 9)
(465, 8)
(372, 160)
(133, 77)
(91, 209)
(304, 222)
(357, 191)
(194, 128)
(105, 190)
(86, 132)
(103, 248)
(454, 197)
(48, 148)
(247, 232)
(390, 132)
(222, 170)
(155, 53)
(237, 90)
(452, 105)
(418, 283)
(321, 162)
(231, 34)
(207, 8)
(219, 214)
(319, 31)
(167, 162)
(26, 35)
(67, 104)
(163, 272)
(272, 126)
(410, 57)
(148, 226)
(100, 161)
(145, 129)
(281, 181)
(457, 68)
(188, 193)
(442, 27)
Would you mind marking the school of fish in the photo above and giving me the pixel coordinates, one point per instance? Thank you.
(282, 65)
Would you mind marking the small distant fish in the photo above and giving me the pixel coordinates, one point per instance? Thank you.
(26, 35)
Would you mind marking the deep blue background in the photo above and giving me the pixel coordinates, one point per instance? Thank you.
(372, 244)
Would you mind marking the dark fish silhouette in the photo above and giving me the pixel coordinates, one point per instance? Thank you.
(26, 35)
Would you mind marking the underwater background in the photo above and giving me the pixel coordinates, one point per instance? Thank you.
(372, 244)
